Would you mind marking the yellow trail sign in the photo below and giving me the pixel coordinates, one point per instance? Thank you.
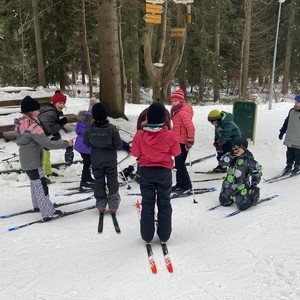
(154, 8)
(152, 18)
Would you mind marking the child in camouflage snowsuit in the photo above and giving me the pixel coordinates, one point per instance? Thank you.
(243, 175)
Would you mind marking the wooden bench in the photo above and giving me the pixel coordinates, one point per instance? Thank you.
(72, 118)
(15, 102)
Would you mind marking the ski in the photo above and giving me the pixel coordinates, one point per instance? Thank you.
(259, 202)
(100, 223)
(196, 191)
(210, 179)
(72, 193)
(88, 190)
(115, 222)
(274, 177)
(69, 213)
(283, 177)
(151, 258)
(214, 207)
(54, 204)
(210, 172)
(168, 262)
(200, 159)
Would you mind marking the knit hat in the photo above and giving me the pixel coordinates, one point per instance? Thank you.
(178, 95)
(92, 102)
(297, 98)
(156, 113)
(214, 115)
(243, 143)
(29, 104)
(99, 112)
(58, 97)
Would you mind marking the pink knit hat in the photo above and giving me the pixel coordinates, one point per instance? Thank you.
(178, 95)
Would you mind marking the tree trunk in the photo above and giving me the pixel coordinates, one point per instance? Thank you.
(161, 37)
(121, 54)
(110, 64)
(289, 47)
(160, 77)
(86, 49)
(38, 44)
(245, 49)
(217, 54)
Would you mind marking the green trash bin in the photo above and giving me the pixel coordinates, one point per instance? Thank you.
(245, 116)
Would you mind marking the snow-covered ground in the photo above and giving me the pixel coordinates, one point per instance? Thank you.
(254, 255)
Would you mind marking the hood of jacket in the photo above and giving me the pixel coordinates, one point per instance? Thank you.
(85, 116)
(152, 135)
(26, 124)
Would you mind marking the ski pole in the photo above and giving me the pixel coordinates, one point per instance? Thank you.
(125, 178)
(190, 163)
(131, 134)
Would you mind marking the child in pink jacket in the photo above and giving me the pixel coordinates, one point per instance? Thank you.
(182, 115)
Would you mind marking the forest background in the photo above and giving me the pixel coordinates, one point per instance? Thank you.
(226, 51)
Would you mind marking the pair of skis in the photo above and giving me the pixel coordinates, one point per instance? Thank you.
(114, 219)
(151, 259)
(72, 212)
(69, 213)
(234, 213)
(150, 255)
(280, 177)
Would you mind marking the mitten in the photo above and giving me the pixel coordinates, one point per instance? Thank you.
(188, 146)
(126, 147)
(63, 121)
(69, 155)
(281, 134)
(219, 147)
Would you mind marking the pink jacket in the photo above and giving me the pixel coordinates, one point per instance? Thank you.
(183, 125)
(154, 147)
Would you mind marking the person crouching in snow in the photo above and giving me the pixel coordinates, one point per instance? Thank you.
(104, 140)
(291, 127)
(243, 175)
(154, 146)
(32, 140)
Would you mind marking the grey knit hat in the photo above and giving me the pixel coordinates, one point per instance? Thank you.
(92, 102)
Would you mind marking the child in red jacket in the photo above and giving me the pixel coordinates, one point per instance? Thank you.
(154, 146)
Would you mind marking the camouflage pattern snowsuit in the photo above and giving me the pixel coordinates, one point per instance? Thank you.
(244, 173)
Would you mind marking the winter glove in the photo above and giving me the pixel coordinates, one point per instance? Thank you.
(126, 147)
(281, 134)
(219, 147)
(69, 155)
(188, 146)
(118, 127)
(235, 152)
(63, 121)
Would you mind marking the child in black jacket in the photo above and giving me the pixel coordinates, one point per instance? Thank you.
(291, 127)
(104, 140)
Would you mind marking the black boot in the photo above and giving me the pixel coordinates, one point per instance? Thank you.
(296, 170)
(287, 169)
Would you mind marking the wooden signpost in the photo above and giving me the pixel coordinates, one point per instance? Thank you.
(177, 32)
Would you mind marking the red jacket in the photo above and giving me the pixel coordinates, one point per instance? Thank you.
(183, 124)
(154, 147)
